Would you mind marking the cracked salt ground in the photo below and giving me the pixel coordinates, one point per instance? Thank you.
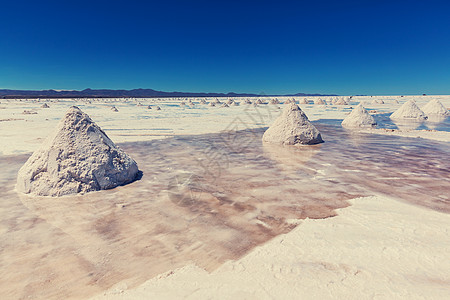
(233, 201)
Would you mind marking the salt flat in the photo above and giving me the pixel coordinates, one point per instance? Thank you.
(215, 212)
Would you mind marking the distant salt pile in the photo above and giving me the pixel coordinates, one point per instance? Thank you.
(289, 101)
(212, 104)
(359, 117)
(235, 103)
(435, 108)
(319, 101)
(225, 105)
(45, 105)
(203, 101)
(292, 127)
(409, 111)
(248, 102)
(182, 103)
(377, 101)
(258, 101)
(158, 108)
(149, 107)
(114, 109)
(29, 112)
(274, 101)
(230, 101)
(340, 101)
(303, 101)
(78, 158)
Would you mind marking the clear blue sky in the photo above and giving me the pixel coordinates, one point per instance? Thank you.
(343, 47)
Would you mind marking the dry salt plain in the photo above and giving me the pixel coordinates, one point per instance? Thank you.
(218, 214)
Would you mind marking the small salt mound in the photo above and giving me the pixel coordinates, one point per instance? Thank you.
(377, 101)
(303, 101)
(212, 104)
(292, 127)
(289, 101)
(78, 158)
(435, 108)
(149, 107)
(158, 108)
(29, 112)
(409, 110)
(359, 117)
(319, 102)
(45, 105)
(274, 101)
(114, 109)
(203, 101)
(225, 105)
(340, 101)
(235, 103)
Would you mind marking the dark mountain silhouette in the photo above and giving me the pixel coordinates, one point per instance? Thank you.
(138, 93)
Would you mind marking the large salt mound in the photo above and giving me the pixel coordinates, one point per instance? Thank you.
(292, 127)
(410, 111)
(78, 158)
(359, 117)
(435, 107)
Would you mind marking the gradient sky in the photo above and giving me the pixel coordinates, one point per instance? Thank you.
(342, 47)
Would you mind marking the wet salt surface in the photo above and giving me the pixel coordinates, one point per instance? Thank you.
(202, 199)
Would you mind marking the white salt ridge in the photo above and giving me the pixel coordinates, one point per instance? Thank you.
(78, 158)
(410, 111)
(435, 107)
(359, 117)
(292, 127)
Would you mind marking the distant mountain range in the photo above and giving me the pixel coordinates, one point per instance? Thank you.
(138, 93)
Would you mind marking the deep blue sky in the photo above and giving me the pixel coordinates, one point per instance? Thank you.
(343, 47)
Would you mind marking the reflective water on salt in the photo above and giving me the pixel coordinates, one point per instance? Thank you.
(203, 199)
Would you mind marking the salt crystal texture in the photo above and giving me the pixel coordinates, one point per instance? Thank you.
(409, 110)
(292, 127)
(78, 158)
(359, 117)
(435, 107)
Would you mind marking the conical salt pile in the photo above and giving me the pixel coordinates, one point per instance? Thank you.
(303, 101)
(340, 101)
(319, 102)
(78, 158)
(359, 117)
(435, 108)
(409, 111)
(292, 127)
